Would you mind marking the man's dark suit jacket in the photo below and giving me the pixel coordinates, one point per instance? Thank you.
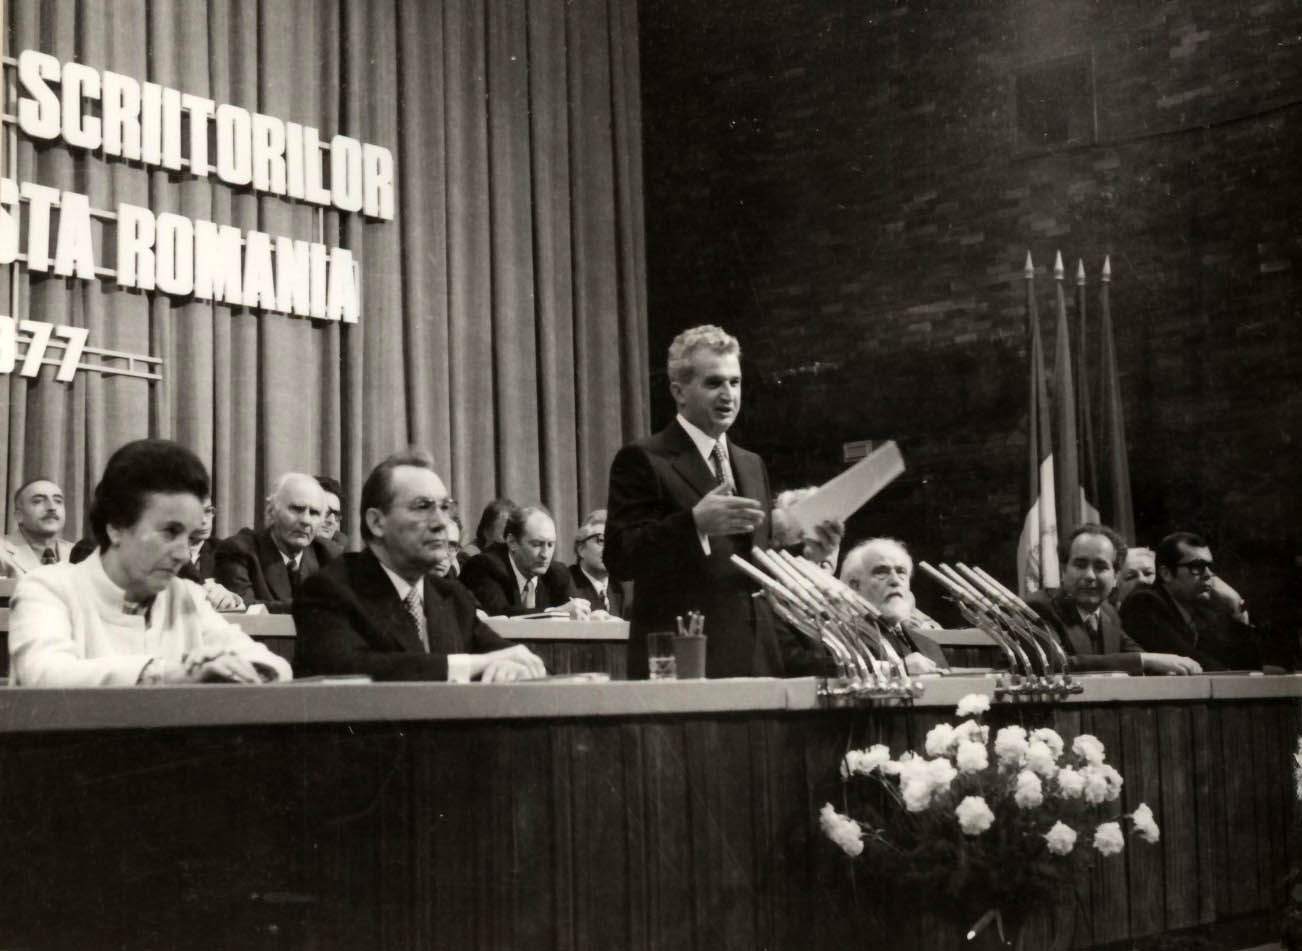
(1119, 651)
(1151, 616)
(583, 589)
(490, 578)
(249, 564)
(206, 567)
(651, 540)
(350, 621)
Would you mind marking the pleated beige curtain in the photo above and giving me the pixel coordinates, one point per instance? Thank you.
(503, 309)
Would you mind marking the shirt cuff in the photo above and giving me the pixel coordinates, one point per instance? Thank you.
(458, 668)
(705, 542)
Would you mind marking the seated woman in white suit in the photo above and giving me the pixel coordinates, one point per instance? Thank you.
(122, 616)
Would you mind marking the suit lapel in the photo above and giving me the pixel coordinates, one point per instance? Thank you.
(687, 461)
(1110, 625)
(1078, 637)
(389, 613)
(273, 568)
(441, 623)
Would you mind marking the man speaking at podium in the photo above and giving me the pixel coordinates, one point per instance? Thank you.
(682, 502)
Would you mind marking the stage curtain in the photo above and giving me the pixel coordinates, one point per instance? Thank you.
(503, 309)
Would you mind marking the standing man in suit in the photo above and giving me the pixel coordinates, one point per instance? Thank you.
(267, 567)
(39, 512)
(383, 612)
(1089, 627)
(682, 502)
(591, 579)
(519, 575)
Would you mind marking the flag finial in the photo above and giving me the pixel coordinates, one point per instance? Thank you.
(1107, 268)
(1029, 270)
(1080, 272)
(1057, 267)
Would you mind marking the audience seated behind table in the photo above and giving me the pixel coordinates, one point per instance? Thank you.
(881, 570)
(1138, 569)
(268, 566)
(592, 582)
(123, 615)
(518, 576)
(331, 527)
(822, 545)
(40, 515)
(1193, 611)
(383, 612)
(1087, 625)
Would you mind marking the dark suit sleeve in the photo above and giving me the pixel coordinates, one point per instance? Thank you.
(480, 576)
(644, 528)
(1148, 620)
(332, 638)
(235, 569)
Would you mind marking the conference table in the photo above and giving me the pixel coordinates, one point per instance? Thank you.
(604, 815)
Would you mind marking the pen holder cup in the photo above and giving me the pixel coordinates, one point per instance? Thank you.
(689, 657)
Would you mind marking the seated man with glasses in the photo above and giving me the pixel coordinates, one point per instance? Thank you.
(383, 611)
(1190, 611)
(591, 579)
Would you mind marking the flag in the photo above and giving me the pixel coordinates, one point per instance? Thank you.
(1089, 472)
(1114, 492)
(1069, 494)
(1037, 548)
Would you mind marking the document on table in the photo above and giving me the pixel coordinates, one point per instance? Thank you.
(844, 495)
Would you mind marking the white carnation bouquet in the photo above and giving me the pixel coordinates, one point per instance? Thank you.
(991, 825)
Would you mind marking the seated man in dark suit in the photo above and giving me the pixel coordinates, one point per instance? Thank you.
(267, 567)
(383, 612)
(332, 522)
(881, 570)
(518, 576)
(1192, 611)
(1088, 627)
(592, 581)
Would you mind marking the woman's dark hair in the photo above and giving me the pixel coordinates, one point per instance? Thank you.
(495, 512)
(136, 470)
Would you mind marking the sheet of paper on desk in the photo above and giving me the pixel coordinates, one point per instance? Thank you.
(841, 497)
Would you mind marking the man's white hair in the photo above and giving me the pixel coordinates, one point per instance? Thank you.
(282, 483)
(853, 566)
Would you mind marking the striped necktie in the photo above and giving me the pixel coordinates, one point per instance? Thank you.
(416, 609)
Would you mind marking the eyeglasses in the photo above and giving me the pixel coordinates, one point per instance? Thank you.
(1198, 568)
(600, 539)
(426, 506)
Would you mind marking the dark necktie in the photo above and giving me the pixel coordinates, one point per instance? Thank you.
(295, 577)
(49, 557)
(1092, 628)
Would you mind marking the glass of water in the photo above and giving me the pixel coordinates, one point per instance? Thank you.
(660, 655)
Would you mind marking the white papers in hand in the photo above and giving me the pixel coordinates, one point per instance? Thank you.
(841, 497)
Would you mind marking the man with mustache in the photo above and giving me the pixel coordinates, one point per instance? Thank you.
(682, 503)
(1191, 610)
(1088, 627)
(881, 570)
(267, 566)
(39, 512)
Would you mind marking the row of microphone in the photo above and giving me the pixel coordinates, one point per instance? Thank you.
(828, 611)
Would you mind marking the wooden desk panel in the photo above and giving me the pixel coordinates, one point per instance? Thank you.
(684, 826)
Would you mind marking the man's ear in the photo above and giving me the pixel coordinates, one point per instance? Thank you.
(1164, 573)
(676, 391)
(374, 521)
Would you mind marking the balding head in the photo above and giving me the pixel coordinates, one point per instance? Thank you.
(295, 508)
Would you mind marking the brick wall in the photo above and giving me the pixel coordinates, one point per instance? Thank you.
(836, 182)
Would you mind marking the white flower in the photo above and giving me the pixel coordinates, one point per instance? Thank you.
(1297, 769)
(1010, 746)
(1061, 838)
(842, 830)
(865, 762)
(971, 730)
(1102, 783)
(894, 767)
(973, 705)
(1040, 759)
(1029, 792)
(1145, 824)
(1089, 748)
(974, 816)
(920, 779)
(940, 739)
(971, 757)
(1050, 738)
(1070, 783)
(1108, 839)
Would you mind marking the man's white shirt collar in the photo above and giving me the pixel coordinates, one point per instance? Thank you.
(401, 585)
(704, 442)
(520, 580)
(597, 586)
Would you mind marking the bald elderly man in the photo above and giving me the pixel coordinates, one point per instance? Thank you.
(267, 566)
